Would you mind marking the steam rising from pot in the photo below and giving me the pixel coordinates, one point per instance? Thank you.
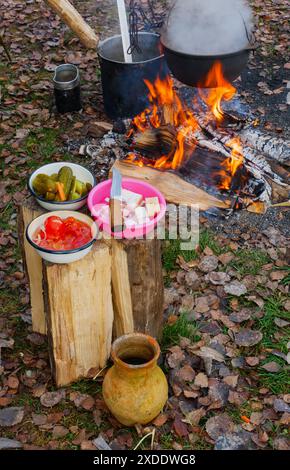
(208, 27)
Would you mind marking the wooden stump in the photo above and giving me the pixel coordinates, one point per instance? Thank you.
(79, 313)
(138, 288)
(76, 301)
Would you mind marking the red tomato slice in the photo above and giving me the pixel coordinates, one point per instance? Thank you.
(54, 227)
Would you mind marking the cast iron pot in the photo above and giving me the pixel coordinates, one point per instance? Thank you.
(124, 91)
(193, 69)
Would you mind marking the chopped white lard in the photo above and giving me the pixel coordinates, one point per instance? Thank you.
(141, 215)
(131, 199)
(152, 206)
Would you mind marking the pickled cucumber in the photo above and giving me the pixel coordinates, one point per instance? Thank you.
(80, 187)
(74, 196)
(43, 184)
(65, 176)
(72, 188)
(49, 196)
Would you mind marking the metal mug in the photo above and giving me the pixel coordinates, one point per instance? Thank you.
(67, 92)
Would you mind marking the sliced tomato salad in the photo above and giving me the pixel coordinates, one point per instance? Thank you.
(62, 234)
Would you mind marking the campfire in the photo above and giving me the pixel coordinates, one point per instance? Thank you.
(203, 144)
(196, 150)
(167, 135)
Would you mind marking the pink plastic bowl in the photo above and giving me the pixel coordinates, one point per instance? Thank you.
(102, 191)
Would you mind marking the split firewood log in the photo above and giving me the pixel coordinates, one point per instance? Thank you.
(75, 22)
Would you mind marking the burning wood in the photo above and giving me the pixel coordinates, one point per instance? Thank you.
(205, 146)
(157, 142)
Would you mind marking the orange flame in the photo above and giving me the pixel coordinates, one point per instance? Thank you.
(167, 108)
(216, 89)
(232, 163)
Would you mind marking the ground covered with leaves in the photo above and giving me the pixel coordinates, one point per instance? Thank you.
(225, 346)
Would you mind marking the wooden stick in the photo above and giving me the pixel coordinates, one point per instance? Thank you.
(124, 30)
(75, 22)
(6, 50)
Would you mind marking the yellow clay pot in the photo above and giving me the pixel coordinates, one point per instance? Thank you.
(135, 389)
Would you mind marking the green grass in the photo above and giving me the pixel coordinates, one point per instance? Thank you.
(9, 301)
(82, 419)
(172, 249)
(181, 328)
(249, 261)
(89, 387)
(286, 280)
(42, 144)
(236, 412)
(273, 308)
(27, 400)
(277, 382)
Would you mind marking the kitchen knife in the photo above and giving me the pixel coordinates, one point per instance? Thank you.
(115, 202)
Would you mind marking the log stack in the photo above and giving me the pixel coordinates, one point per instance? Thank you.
(116, 289)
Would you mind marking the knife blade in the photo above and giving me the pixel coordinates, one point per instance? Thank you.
(115, 202)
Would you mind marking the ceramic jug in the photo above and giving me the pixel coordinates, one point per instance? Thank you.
(135, 388)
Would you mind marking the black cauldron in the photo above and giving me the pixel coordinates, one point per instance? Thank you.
(192, 70)
(124, 91)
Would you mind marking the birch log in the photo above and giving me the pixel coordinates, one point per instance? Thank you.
(276, 148)
(75, 22)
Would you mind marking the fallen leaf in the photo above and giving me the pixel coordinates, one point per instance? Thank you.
(175, 357)
(241, 316)
(201, 305)
(201, 380)
(50, 399)
(13, 382)
(100, 443)
(271, 367)
(7, 444)
(180, 428)
(59, 431)
(280, 406)
(11, 416)
(186, 373)
(239, 440)
(235, 288)
(247, 337)
(252, 361)
(217, 278)
(209, 353)
(208, 264)
(193, 418)
(219, 425)
(160, 420)
(231, 380)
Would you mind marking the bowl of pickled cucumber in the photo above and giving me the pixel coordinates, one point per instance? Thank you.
(61, 186)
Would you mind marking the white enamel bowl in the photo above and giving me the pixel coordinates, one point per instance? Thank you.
(62, 257)
(81, 173)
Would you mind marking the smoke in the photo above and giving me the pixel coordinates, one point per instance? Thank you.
(208, 27)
